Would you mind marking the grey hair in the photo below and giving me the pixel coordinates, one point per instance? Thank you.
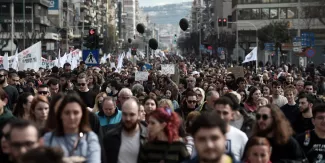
(137, 89)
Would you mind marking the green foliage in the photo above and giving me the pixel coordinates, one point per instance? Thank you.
(276, 32)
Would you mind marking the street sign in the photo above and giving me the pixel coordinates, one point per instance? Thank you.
(297, 49)
(310, 53)
(91, 57)
(296, 43)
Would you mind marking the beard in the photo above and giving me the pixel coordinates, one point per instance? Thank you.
(304, 110)
(211, 160)
(129, 126)
(265, 132)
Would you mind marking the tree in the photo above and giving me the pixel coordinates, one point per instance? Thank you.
(276, 32)
(314, 10)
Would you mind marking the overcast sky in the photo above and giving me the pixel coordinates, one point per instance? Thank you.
(160, 2)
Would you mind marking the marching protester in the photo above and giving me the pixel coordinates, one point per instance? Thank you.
(164, 109)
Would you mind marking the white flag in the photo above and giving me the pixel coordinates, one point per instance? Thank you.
(252, 56)
(31, 57)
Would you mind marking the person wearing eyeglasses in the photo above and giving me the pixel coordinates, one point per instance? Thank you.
(23, 136)
(272, 124)
(43, 90)
(86, 95)
(236, 139)
(313, 141)
(189, 104)
(12, 92)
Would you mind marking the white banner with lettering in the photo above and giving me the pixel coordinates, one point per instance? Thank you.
(30, 58)
(48, 64)
(4, 64)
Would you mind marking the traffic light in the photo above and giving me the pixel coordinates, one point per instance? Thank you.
(92, 40)
(224, 22)
(219, 22)
(134, 51)
(175, 38)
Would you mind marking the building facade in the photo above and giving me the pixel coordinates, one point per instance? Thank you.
(251, 15)
(30, 25)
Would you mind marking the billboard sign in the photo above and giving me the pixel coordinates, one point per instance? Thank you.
(54, 5)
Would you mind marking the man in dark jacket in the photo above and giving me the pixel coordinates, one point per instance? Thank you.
(124, 142)
(205, 129)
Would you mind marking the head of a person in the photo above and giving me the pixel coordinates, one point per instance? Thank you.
(241, 83)
(276, 88)
(243, 95)
(319, 117)
(270, 119)
(124, 94)
(258, 150)
(190, 119)
(53, 86)
(163, 122)
(220, 84)
(309, 87)
(230, 78)
(208, 131)
(266, 91)
(99, 101)
(130, 114)
(211, 98)
(150, 104)
(191, 82)
(13, 79)
(43, 90)
(142, 113)
(108, 107)
(82, 82)
(137, 89)
(64, 79)
(5, 146)
(3, 76)
(225, 107)
(43, 154)
(53, 109)
(305, 102)
(200, 93)
(3, 99)
(67, 67)
(39, 109)
(24, 102)
(290, 94)
(191, 100)
(168, 94)
(166, 103)
(300, 85)
(253, 96)
(262, 101)
(72, 116)
(23, 136)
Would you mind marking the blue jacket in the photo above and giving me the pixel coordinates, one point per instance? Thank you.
(114, 119)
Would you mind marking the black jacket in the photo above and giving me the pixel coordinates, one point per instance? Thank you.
(112, 142)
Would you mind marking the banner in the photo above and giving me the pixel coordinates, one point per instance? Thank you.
(4, 64)
(30, 58)
(48, 64)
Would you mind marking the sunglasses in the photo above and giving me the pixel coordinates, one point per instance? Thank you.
(43, 92)
(193, 102)
(81, 84)
(263, 116)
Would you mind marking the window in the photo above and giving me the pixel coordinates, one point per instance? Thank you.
(274, 13)
(18, 8)
(265, 14)
(292, 13)
(256, 14)
(5, 9)
(244, 14)
(283, 13)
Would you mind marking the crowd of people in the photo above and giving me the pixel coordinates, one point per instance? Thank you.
(200, 114)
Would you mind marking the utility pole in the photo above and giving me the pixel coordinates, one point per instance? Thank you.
(33, 21)
(82, 29)
(12, 26)
(24, 15)
(67, 30)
